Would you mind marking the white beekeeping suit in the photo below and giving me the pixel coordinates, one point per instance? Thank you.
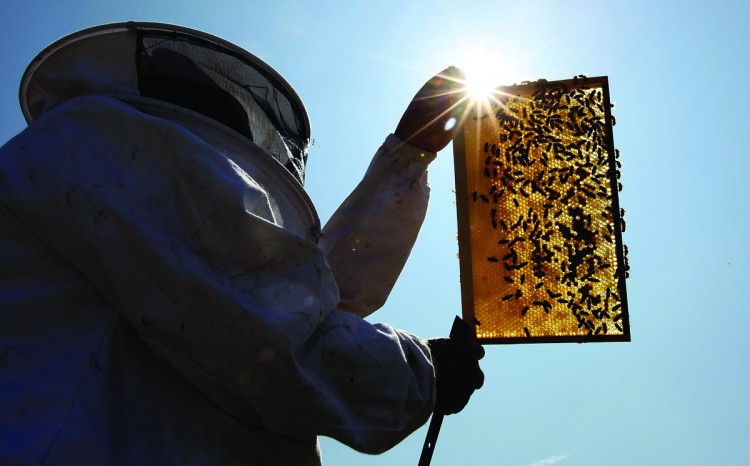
(166, 297)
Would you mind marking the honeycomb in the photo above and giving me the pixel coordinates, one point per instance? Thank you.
(540, 226)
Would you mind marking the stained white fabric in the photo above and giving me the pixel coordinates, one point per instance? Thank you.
(166, 297)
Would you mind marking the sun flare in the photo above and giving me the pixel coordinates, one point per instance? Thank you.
(484, 73)
(479, 86)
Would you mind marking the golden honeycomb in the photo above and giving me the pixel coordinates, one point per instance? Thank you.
(539, 220)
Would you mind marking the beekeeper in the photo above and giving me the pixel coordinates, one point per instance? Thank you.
(166, 294)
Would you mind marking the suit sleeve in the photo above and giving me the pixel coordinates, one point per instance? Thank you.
(370, 236)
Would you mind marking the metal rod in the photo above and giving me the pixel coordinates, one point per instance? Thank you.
(458, 330)
(431, 439)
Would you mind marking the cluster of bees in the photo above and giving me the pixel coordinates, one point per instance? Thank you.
(545, 192)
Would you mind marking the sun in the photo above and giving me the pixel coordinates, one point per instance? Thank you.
(479, 86)
(484, 73)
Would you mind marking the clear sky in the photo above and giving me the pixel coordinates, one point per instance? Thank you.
(679, 393)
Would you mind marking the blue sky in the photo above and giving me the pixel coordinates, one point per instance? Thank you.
(678, 393)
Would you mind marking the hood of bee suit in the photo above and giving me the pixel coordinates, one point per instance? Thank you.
(178, 65)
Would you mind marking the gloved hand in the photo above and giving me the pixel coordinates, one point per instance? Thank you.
(440, 99)
(456, 364)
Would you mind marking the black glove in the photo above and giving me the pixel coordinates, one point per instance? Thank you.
(456, 364)
(424, 121)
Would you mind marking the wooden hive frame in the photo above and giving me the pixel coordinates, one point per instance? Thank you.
(540, 226)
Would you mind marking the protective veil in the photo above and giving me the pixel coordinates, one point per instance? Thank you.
(167, 297)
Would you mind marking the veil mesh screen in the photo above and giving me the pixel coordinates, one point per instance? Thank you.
(539, 220)
(277, 122)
